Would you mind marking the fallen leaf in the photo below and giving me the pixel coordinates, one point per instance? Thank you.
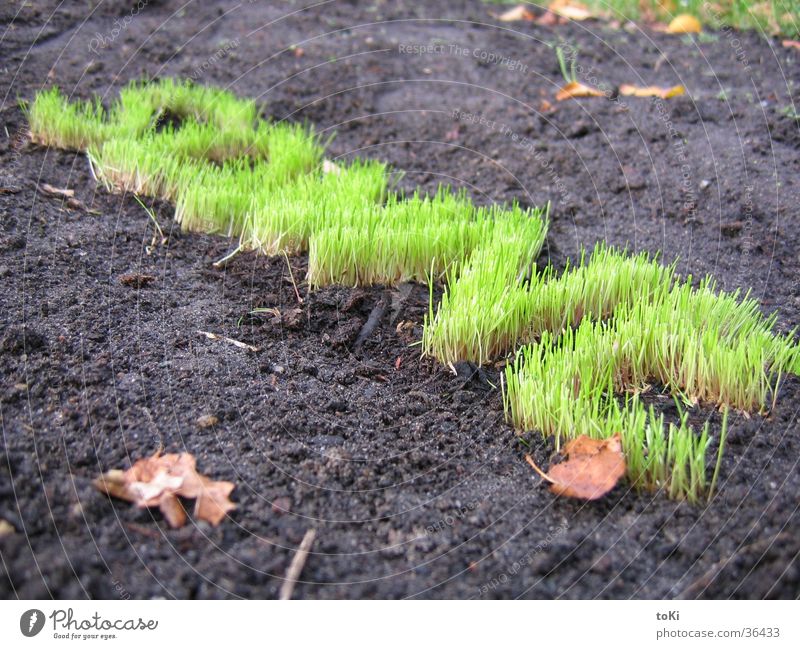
(592, 468)
(651, 91)
(520, 12)
(570, 9)
(684, 24)
(549, 19)
(159, 480)
(6, 528)
(574, 89)
(795, 44)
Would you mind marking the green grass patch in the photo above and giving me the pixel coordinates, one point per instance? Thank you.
(776, 17)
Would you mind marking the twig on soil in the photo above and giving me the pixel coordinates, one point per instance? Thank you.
(49, 190)
(374, 319)
(296, 566)
(541, 473)
(232, 341)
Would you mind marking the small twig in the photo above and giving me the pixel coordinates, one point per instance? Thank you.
(232, 341)
(374, 319)
(49, 190)
(544, 476)
(291, 276)
(296, 566)
(227, 257)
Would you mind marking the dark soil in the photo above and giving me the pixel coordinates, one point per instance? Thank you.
(415, 485)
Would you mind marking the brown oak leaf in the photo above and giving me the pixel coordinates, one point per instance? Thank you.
(159, 480)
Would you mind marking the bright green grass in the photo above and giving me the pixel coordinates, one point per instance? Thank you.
(522, 310)
(480, 315)
(55, 121)
(414, 239)
(626, 323)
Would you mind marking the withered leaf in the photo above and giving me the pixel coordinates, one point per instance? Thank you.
(159, 480)
(684, 24)
(592, 468)
(570, 9)
(651, 91)
(789, 43)
(574, 90)
(520, 12)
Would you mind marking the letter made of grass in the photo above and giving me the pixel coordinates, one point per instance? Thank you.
(481, 312)
(563, 386)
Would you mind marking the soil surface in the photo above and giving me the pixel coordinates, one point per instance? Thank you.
(413, 482)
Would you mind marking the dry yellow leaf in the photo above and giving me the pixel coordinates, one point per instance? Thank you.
(684, 24)
(570, 9)
(651, 91)
(576, 90)
(520, 12)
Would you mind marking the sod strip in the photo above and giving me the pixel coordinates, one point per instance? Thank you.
(540, 303)
(480, 314)
(229, 173)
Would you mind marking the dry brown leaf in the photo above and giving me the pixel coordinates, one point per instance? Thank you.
(570, 9)
(788, 43)
(684, 24)
(159, 480)
(212, 502)
(574, 89)
(592, 468)
(520, 12)
(651, 91)
(549, 19)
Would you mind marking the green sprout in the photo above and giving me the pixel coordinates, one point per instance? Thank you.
(569, 74)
